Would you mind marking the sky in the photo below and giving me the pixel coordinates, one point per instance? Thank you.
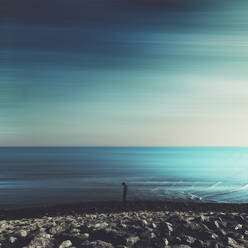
(124, 73)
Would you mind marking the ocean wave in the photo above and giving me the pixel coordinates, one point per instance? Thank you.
(244, 187)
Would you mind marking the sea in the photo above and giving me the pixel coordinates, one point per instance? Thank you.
(41, 176)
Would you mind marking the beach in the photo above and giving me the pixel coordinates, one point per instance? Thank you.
(139, 224)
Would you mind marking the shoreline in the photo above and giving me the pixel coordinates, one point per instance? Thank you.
(117, 206)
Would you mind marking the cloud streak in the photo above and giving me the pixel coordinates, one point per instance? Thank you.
(123, 72)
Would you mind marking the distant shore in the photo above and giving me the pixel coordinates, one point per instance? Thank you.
(140, 224)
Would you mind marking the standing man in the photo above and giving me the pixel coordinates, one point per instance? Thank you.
(124, 193)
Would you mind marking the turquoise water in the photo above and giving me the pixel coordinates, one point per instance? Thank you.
(48, 175)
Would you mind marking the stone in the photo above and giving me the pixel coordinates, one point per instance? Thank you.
(41, 240)
(23, 233)
(65, 244)
(85, 235)
(132, 240)
(166, 242)
(204, 218)
(238, 227)
(231, 242)
(222, 232)
(100, 244)
(216, 224)
(144, 223)
(101, 225)
(177, 240)
(166, 228)
(190, 240)
(75, 231)
(12, 239)
(56, 229)
(214, 236)
(169, 226)
(189, 229)
(152, 235)
(154, 225)
(217, 245)
(110, 236)
(122, 225)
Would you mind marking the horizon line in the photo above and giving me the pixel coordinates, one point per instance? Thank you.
(112, 146)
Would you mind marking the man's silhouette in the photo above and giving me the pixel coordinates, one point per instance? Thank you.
(124, 193)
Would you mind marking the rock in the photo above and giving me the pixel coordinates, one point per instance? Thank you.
(56, 229)
(204, 218)
(152, 235)
(189, 228)
(42, 240)
(85, 235)
(130, 229)
(217, 245)
(231, 242)
(147, 235)
(75, 231)
(85, 244)
(166, 228)
(216, 224)
(3, 223)
(177, 240)
(238, 227)
(23, 233)
(110, 236)
(169, 226)
(132, 240)
(189, 240)
(214, 236)
(12, 239)
(101, 225)
(154, 225)
(65, 244)
(100, 244)
(124, 226)
(222, 232)
(144, 223)
(194, 230)
(166, 242)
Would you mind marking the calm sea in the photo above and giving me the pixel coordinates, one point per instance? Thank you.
(48, 175)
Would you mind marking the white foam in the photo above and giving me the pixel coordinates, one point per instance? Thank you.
(244, 187)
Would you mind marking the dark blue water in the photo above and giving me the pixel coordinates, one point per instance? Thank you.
(48, 175)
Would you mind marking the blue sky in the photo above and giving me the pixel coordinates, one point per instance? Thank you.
(116, 73)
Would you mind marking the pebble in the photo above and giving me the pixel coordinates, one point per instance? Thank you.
(23, 233)
(178, 229)
(65, 244)
(12, 240)
(85, 235)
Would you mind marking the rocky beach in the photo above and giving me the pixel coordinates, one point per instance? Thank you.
(138, 225)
